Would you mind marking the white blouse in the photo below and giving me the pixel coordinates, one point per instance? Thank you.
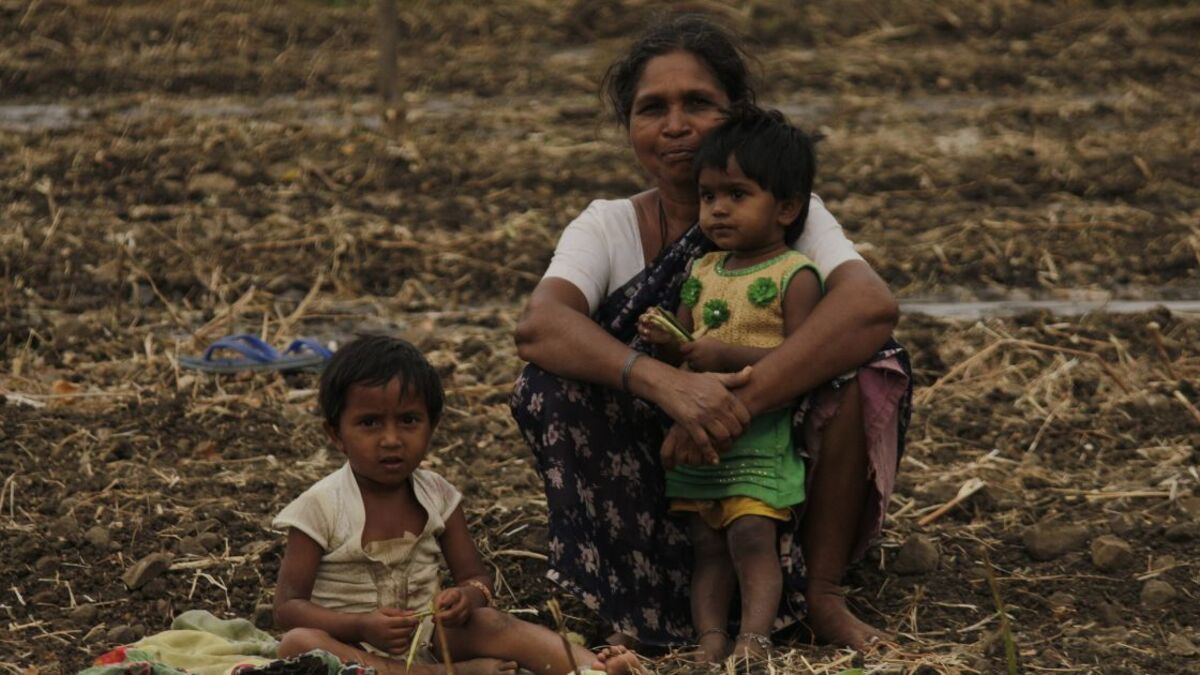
(601, 249)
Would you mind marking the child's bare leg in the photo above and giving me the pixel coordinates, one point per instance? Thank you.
(754, 550)
(832, 520)
(494, 634)
(712, 588)
(300, 640)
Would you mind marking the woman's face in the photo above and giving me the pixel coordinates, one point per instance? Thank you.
(678, 100)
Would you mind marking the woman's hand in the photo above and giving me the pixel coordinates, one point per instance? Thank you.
(454, 607)
(703, 406)
(388, 628)
(705, 355)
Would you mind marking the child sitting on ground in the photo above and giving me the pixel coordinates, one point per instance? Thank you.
(365, 543)
(755, 174)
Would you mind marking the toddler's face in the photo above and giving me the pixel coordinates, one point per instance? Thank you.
(736, 213)
(384, 433)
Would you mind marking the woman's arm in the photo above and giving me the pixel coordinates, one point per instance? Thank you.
(846, 328)
(556, 333)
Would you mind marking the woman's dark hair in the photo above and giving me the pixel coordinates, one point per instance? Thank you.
(692, 33)
(769, 150)
(373, 361)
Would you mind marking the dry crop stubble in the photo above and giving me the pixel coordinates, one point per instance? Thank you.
(232, 176)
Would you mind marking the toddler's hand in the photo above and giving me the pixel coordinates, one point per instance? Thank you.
(678, 449)
(704, 355)
(454, 607)
(389, 629)
(653, 333)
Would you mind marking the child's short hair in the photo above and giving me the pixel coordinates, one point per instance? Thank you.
(373, 361)
(769, 150)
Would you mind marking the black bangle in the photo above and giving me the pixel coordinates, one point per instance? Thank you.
(625, 371)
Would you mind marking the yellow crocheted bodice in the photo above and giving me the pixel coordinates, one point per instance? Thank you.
(744, 306)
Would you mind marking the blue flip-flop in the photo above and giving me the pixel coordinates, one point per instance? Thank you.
(255, 355)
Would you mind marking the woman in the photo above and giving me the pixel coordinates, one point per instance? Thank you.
(595, 410)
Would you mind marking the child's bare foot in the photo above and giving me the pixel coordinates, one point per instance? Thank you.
(470, 667)
(714, 645)
(752, 646)
(617, 660)
(831, 621)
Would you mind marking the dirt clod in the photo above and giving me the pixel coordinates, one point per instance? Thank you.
(1157, 593)
(1182, 532)
(1110, 614)
(211, 541)
(121, 634)
(1111, 553)
(98, 537)
(191, 546)
(918, 555)
(46, 565)
(1048, 541)
(84, 615)
(145, 570)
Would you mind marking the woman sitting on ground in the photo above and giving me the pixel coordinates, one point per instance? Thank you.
(598, 412)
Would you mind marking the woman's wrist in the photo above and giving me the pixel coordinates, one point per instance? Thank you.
(646, 376)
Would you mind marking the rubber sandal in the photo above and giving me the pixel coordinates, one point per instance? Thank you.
(302, 354)
(252, 354)
(255, 355)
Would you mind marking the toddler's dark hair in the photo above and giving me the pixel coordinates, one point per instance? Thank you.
(373, 361)
(769, 150)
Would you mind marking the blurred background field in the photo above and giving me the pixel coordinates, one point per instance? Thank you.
(174, 171)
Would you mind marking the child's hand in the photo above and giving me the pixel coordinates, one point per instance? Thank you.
(653, 333)
(454, 607)
(389, 629)
(705, 355)
(678, 449)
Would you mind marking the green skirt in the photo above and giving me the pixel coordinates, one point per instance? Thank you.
(762, 464)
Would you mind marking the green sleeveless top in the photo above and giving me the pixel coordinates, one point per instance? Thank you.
(745, 307)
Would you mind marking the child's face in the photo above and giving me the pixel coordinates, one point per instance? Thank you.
(737, 214)
(384, 435)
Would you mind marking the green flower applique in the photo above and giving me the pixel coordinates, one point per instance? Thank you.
(690, 292)
(716, 312)
(762, 291)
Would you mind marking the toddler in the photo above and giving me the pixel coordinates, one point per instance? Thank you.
(365, 543)
(755, 175)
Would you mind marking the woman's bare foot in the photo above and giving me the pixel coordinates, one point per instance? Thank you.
(617, 660)
(714, 645)
(753, 646)
(831, 621)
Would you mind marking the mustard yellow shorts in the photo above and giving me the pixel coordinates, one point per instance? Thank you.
(719, 513)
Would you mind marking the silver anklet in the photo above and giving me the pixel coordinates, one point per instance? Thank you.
(763, 641)
(712, 631)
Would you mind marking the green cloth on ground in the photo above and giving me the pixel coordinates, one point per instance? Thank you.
(200, 643)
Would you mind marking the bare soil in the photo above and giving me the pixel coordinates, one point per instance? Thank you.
(171, 172)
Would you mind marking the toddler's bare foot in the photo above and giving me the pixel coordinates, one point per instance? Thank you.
(714, 645)
(753, 646)
(617, 660)
(831, 621)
